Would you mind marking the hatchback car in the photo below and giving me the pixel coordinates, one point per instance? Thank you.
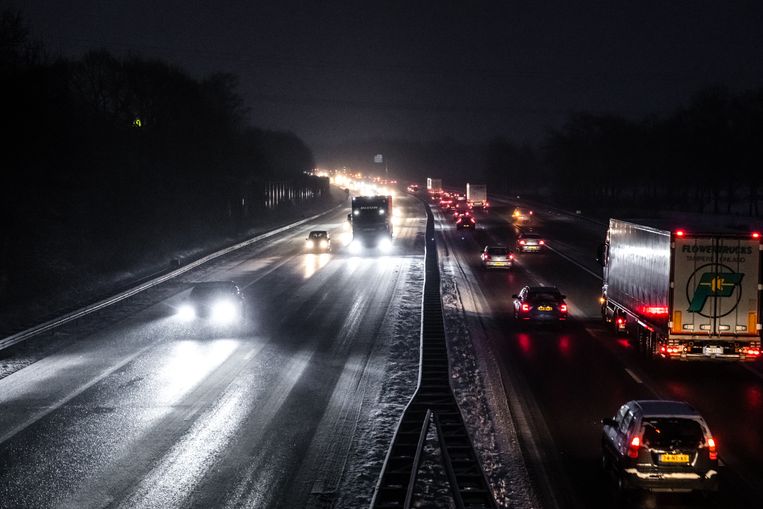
(221, 302)
(659, 446)
(497, 257)
(318, 241)
(528, 242)
(466, 221)
(540, 303)
(521, 215)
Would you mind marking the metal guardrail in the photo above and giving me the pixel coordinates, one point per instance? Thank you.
(79, 313)
(433, 403)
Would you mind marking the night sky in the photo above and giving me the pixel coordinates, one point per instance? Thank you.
(338, 71)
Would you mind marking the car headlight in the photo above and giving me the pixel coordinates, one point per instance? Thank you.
(186, 312)
(356, 247)
(385, 245)
(224, 312)
(324, 244)
(309, 244)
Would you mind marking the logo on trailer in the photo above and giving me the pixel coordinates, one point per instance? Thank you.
(719, 283)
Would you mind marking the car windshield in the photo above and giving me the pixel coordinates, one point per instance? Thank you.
(665, 432)
(497, 251)
(207, 292)
(318, 235)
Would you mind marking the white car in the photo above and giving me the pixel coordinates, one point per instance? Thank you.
(497, 257)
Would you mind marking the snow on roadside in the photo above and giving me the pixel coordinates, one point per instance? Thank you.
(495, 442)
(400, 362)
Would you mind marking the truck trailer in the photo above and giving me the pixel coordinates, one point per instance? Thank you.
(683, 295)
(371, 220)
(476, 195)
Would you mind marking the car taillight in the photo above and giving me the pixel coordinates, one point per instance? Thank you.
(712, 449)
(522, 242)
(486, 256)
(541, 242)
(634, 447)
(471, 219)
(511, 257)
(459, 221)
(563, 308)
(525, 307)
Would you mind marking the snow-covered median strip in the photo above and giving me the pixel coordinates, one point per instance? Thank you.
(480, 398)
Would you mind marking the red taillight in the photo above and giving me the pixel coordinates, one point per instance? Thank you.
(486, 256)
(522, 242)
(755, 235)
(563, 308)
(459, 221)
(511, 257)
(712, 449)
(680, 233)
(634, 447)
(471, 219)
(525, 307)
(541, 242)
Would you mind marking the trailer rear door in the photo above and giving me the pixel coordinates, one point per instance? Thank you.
(715, 287)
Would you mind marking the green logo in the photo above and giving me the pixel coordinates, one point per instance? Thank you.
(714, 284)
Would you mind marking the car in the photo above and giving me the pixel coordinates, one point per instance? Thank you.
(413, 188)
(446, 202)
(220, 302)
(466, 221)
(521, 215)
(540, 303)
(497, 256)
(528, 242)
(659, 445)
(318, 241)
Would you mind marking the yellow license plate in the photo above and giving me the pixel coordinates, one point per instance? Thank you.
(545, 308)
(674, 458)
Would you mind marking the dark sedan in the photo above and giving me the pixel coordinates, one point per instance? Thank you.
(540, 303)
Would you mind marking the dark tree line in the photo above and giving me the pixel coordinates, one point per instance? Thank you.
(704, 157)
(104, 154)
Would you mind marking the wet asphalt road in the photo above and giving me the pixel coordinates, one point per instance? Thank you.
(563, 382)
(136, 409)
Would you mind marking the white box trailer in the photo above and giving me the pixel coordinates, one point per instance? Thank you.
(683, 295)
(476, 195)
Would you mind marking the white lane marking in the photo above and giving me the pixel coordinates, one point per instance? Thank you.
(634, 376)
(572, 260)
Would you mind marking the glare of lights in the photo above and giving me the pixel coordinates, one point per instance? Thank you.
(309, 244)
(385, 245)
(356, 247)
(224, 312)
(323, 244)
(186, 312)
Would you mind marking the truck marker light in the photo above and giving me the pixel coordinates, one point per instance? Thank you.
(680, 233)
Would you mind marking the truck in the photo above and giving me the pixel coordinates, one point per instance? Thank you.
(476, 195)
(682, 295)
(371, 220)
(434, 188)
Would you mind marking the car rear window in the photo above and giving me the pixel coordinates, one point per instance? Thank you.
(544, 296)
(530, 236)
(497, 251)
(664, 432)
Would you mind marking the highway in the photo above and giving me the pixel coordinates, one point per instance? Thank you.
(559, 384)
(131, 408)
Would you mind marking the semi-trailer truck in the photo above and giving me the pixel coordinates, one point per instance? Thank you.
(683, 295)
(476, 195)
(371, 220)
